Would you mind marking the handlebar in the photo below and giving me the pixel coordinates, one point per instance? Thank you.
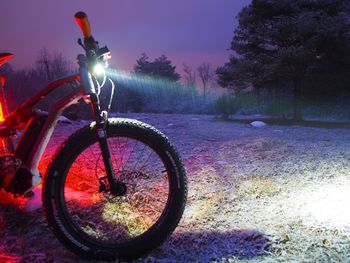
(90, 45)
(94, 54)
(83, 22)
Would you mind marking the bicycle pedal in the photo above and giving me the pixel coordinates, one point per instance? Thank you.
(33, 201)
(28, 194)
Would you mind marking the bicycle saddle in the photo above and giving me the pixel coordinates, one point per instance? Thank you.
(5, 57)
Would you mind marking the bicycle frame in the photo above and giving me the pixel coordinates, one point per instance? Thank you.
(23, 113)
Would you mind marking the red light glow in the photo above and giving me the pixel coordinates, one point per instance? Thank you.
(1, 113)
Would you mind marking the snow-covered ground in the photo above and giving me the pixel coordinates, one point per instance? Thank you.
(267, 194)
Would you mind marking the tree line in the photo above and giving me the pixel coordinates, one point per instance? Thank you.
(149, 80)
(294, 54)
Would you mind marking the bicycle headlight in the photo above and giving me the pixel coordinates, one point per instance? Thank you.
(100, 61)
(99, 69)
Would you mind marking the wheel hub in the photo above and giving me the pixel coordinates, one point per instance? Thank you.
(116, 188)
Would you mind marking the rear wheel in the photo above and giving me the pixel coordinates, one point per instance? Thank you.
(94, 222)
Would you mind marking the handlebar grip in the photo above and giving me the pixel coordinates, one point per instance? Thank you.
(83, 22)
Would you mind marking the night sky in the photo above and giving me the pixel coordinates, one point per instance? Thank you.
(190, 31)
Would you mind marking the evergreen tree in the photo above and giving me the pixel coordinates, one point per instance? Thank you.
(160, 67)
(290, 40)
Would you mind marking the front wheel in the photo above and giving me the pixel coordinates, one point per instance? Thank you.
(95, 223)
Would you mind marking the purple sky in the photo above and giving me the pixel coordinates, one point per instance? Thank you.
(190, 31)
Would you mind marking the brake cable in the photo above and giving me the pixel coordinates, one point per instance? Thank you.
(111, 98)
(99, 86)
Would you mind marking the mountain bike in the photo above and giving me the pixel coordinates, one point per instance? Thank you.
(115, 189)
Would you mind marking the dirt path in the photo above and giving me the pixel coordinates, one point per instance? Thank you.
(271, 194)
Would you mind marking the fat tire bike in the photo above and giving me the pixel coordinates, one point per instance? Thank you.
(116, 188)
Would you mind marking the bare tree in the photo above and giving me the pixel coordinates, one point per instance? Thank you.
(60, 67)
(190, 75)
(52, 66)
(43, 63)
(206, 74)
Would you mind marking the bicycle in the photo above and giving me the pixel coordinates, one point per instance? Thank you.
(115, 189)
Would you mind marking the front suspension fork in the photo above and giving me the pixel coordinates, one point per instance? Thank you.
(101, 117)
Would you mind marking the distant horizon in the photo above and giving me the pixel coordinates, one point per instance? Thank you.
(186, 32)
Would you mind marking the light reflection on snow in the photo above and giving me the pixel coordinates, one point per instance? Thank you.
(326, 204)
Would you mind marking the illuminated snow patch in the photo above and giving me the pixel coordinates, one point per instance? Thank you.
(326, 204)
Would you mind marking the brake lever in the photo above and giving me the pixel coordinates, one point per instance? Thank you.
(80, 43)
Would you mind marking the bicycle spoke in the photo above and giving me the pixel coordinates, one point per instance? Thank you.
(118, 218)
